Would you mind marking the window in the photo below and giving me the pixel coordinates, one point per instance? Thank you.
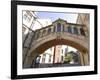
(69, 29)
(75, 30)
(43, 59)
(44, 32)
(82, 31)
(25, 16)
(28, 18)
(58, 27)
(49, 30)
(66, 50)
(49, 58)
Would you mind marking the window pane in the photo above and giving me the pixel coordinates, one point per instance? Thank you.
(58, 27)
(49, 30)
(44, 32)
(75, 30)
(82, 31)
(69, 29)
(25, 16)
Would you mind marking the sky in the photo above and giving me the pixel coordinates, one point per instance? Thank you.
(69, 48)
(51, 17)
(69, 17)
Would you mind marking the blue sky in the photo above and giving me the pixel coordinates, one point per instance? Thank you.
(69, 17)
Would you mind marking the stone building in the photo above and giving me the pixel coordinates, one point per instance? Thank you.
(60, 32)
(84, 19)
(30, 24)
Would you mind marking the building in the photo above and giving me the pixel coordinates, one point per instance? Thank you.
(54, 54)
(58, 33)
(30, 24)
(47, 56)
(84, 19)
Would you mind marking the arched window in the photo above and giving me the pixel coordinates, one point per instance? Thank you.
(44, 32)
(49, 30)
(75, 30)
(58, 27)
(69, 29)
(82, 31)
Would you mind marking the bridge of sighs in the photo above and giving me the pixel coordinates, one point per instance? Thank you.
(59, 32)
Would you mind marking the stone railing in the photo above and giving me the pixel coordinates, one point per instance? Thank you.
(49, 33)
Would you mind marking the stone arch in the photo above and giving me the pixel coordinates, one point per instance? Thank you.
(41, 48)
(51, 43)
(40, 44)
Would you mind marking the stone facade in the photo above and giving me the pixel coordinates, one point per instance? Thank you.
(58, 33)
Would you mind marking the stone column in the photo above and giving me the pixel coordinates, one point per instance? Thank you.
(81, 58)
(86, 58)
(29, 60)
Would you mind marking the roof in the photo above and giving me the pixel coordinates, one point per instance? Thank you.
(59, 19)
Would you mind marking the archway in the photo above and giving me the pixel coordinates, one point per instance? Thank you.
(41, 48)
(58, 56)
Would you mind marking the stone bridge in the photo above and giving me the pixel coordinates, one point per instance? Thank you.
(59, 33)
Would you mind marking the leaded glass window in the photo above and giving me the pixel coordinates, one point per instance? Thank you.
(69, 29)
(82, 31)
(49, 30)
(58, 27)
(75, 30)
